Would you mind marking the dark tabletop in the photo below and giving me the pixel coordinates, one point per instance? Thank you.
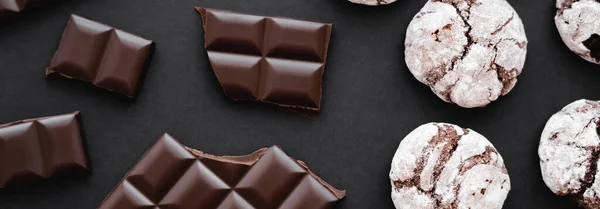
(370, 99)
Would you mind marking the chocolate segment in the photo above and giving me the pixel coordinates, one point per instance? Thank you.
(41, 148)
(170, 175)
(273, 60)
(107, 57)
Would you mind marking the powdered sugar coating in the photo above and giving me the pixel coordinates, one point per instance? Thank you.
(469, 52)
(577, 21)
(569, 150)
(441, 165)
(372, 2)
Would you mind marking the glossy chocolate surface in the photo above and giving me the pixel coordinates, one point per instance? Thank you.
(170, 175)
(273, 60)
(41, 148)
(107, 57)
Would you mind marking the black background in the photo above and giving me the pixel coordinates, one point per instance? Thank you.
(370, 99)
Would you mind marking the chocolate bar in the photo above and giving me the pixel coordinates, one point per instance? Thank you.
(267, 59)
(107, 57)
(170, 175)
(41, 148)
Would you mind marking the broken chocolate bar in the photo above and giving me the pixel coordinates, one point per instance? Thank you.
(273, 60)
(100, 54)
(41, 148)
(170, 175)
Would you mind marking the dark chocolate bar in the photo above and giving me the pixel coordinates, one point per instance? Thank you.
(268, 59)
(41, 148)
(107, 57)
(170, 175)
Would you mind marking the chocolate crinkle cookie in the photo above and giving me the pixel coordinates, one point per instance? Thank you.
(441, 165)
(569, 150)
(469, 52)
(372, 2)
(578, 22)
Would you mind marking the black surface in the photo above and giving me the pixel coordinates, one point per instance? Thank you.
(370, 99)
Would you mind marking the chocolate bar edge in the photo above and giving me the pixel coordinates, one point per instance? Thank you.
(255, 156)
(76, 113)
(252, 157)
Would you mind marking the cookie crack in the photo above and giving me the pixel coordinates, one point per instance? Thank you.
(584, 127)
(590, 174)
(470, 41)
(504, 25)
(440, 77)
(436, 76)
(440, 74)
(485, 158)
(447, 153)
(446, 134)
(554, 135)
(568, 4)
(481, 159)
(593, 44)
(505, 77)
(436, 33)
(448, 90)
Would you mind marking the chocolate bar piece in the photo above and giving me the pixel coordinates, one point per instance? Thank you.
(107, 57)
(41, 148)
(170, 175)
(268, 59)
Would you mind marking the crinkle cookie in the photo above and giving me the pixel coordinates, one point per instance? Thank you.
(469, 52)
(372, 2)
(569, 150)
(578, 22)
(441, 165)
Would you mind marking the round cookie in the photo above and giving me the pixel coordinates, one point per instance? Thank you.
(441, 165)
(579, 27)
(372, 2)
(569, 151)
(469, 52)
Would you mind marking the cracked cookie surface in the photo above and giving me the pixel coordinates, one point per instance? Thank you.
(579, 27)
(569, 150)
(372, 2)
(469, 52)
(441, 165)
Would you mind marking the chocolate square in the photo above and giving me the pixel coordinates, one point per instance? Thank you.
(20, 144)
(290, 82)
